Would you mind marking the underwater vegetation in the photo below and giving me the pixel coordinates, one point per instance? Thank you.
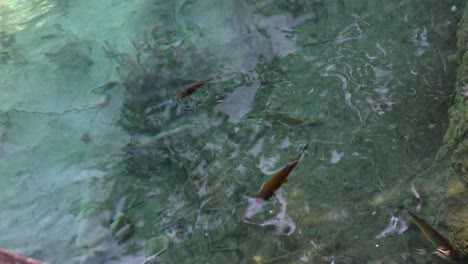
(310, 72)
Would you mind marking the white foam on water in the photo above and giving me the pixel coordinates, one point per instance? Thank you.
(396, 225)
(335, 156)
(282, 222)
(255, 206)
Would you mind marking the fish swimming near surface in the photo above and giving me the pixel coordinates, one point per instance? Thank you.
(192, 88)
(269, 188)
(443, 247)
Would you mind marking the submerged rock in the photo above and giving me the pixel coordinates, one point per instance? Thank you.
(453, 154)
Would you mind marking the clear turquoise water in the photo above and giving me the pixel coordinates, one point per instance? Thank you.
(91, 131)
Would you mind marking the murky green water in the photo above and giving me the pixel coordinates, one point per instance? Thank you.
(100, 163)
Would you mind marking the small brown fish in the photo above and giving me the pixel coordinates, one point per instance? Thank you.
(192, 88)
(443, 247)
(269, 188)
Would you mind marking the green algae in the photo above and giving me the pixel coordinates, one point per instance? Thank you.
(199, 177)
(452, 157)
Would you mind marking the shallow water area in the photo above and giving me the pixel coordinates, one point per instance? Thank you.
(102, 161)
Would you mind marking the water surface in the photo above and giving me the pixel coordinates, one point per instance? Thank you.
(101, 164)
